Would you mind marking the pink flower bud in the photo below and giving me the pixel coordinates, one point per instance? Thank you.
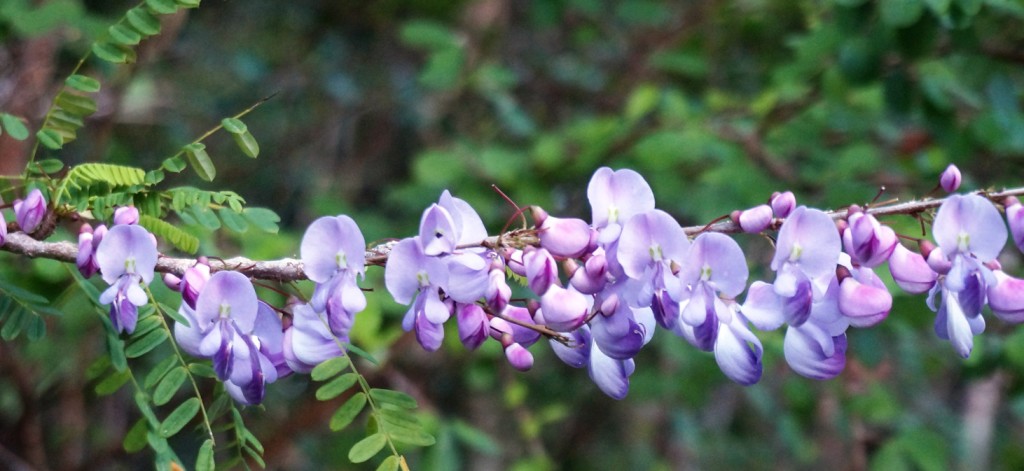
(519, 357)
(473, 325)
(565, 237)
(541, 270)
(867, 241)
(126, 215)
(783, 203)
(754, 220)
(1015, 218)
(30, 212)
(1006, 297)
(864, 304)
(910, 271)
(193, 281)
(498, 291)
(561, 309)
(3, 229)
(950, 179)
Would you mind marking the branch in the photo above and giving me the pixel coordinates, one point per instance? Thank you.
(290, 269)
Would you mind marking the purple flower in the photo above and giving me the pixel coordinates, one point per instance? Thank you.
(783, 203)
(308, 341)
(616, 196)
(651, 247)
(126, 257)
(234, 330)
(591, 277)
(88, 241)
(519, 357)
(969, 232)
(415, 279)
(609, 374)
(541, 271)
(869, 243)
(30, 212)
(3, 229)
(126, 215)
(950, 179)
(805, 258)
(333, 251)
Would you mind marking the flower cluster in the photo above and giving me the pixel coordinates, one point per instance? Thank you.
(598, 289)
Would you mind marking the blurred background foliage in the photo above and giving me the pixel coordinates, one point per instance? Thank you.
(380, 105)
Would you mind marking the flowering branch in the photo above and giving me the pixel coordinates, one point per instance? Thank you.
(291, 269)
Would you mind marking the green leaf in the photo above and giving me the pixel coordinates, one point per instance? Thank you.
(163, 7)
(159, 371)
(143, 21)
(36, 328)
(247, 143)
(124, 34)
(204, 460)
(329, 368)
(182, 240)
(14, 127)
(205, 217)
(202, 369)
(83, 83)
(337, 386)
(367, 448)
(395, 398)
(169, 385)
(900, 13)
(115, 348)
(234, 125)
(188, 3)
(389, 464)
(112, 52)
(13, 325)
(78, 105)
(181, 416)
(263, 218)
(145, 344)
(348, 411)
(429, 35)
(113, 175)
(135, 439)
(46, 166)
(112, 383)
(362, 353)
(174, 164)
(232, 220)
(411, 437)
(50, 139)
(200, 161)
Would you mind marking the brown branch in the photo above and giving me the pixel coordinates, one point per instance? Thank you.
(290, 269)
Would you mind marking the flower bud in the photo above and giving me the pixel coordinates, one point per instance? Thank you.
(753, 220)
(1015, 218)
(782, 203)
(192, 282)
(3, 229)
(1006, 297)
(519, 357)
(473, 325)
(126, 215)
(564, 237)
(910, 270)
(867, 241)
(863, 303)
(950, 179)
(541, 270)
(30, 212)
(498, 291)
(561, 309)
